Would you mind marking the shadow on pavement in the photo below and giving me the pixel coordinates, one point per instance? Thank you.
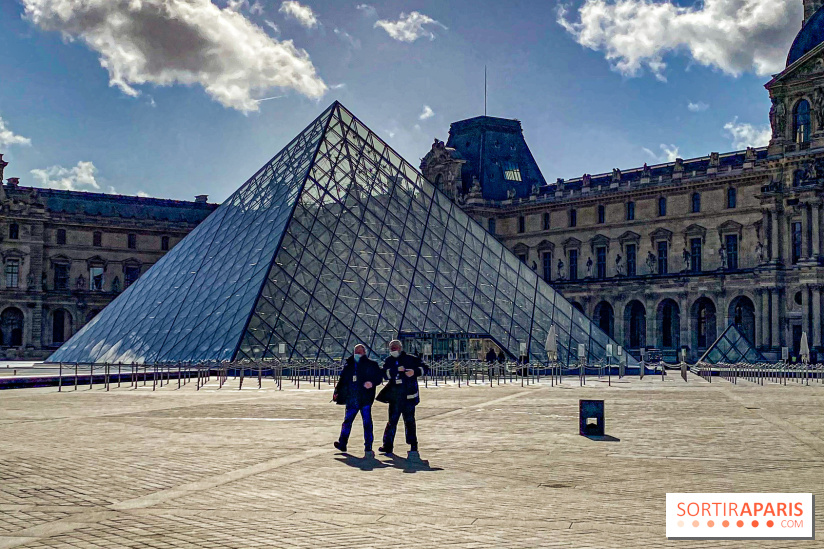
(605, 438)
(391, 460)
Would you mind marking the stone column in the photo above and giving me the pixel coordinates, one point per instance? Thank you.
(775, 246)
(805, 231)
(775, 326)
(786, 240)
(764, 319)
(806, 321)
(816, 335)
(816, 253)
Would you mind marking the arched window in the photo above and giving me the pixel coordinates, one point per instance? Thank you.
(635, 318)
(801, 122)
(703, 312)
(11, 327)
(61, 326)
(605, 317)
(696, 202)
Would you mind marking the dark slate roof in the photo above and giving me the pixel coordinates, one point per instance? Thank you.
(113, 205)
(487, 143)
(811, 35)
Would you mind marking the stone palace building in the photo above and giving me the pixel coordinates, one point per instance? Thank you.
(667, 256)
(67, 254)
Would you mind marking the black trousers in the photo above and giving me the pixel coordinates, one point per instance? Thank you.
(396, 410)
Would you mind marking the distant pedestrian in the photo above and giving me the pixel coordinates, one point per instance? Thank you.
(356, 391)
(401, 371)
(501, 356)
(490, 355)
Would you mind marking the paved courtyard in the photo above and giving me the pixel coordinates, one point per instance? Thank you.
(504, 466)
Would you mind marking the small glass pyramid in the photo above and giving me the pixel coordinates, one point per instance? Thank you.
(336, 240)
(732, 347)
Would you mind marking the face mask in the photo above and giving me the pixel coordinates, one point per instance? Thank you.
(358, 357)
(395, 354)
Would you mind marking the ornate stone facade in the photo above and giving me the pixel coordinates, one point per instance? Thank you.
(67, 254)
(667, 256)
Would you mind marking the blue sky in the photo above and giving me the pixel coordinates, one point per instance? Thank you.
(610, 85)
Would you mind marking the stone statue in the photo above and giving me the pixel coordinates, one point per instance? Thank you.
(645, 171)
(510, 194)
(476, 185)
(715, 159)
(781, 117)
(616, 175)
(651, 263)
(534, 266)
(818, 109)
(723, 254)
(80, 283)
(116, 285)
(759, 252)
(586, 181)
(560, 269)
(687, 256)
(44, 281)
(30, 280)
(534, 190)
(589, 267)
(619, 267)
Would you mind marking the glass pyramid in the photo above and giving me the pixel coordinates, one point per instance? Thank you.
(731, 348)
(336, 240)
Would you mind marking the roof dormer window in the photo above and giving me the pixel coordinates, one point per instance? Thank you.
(512, 172)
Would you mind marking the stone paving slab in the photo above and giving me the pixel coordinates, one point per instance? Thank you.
(505, 467)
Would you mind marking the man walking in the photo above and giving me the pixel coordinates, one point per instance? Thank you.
(356, 391)
(401, 372)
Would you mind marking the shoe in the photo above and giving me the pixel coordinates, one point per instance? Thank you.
(413, 455)
(340, 446)
(385, 450)
(369, 454)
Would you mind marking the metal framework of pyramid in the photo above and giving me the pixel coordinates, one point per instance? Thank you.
(732, 347)
(336, 240)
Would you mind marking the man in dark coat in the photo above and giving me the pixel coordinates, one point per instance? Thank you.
(356, 391)
(401, 371)
(491, 356)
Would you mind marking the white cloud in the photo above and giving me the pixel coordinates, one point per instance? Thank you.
(427, 113)
(272, 26)
(409, 28)
(730, 35)
(668, 153)
(303, 14)
(78, 178)
(700, 106)
(166, 42)
(747, 135)
(367, 10)
(256, 8)
(353, 42)
(9, 138)
(338, 86)
(142, 194)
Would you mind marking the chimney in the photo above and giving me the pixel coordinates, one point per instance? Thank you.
(3, 165)
(13, 181)
(810, 7)
(201, 198)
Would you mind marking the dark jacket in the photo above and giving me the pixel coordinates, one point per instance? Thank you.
(400, 387)
(352, 378)
(491, 356)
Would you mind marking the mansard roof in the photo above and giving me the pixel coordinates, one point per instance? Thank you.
(114, 205)
(810, 36)
(490, 146)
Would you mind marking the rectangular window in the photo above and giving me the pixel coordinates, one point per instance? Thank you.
(97, 239)
(630, 211)
(522, 257)
(132, 241)
(731, 242)
(695, 255)
(631, 259)
(662, 206)
(796, 236)
(491, 225)
(546, 221)
(696, 203)
(573, 218)
(731, 198)
(547, 266)
(602, 215)
(130, 274)
(14, 231)
(61, 236)
(601, 262)
(96, 279)
(662, 257)
(164, 243)
(511, 171)
(61, 277)
(12, 273)
(573, 264)
(521, 224)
